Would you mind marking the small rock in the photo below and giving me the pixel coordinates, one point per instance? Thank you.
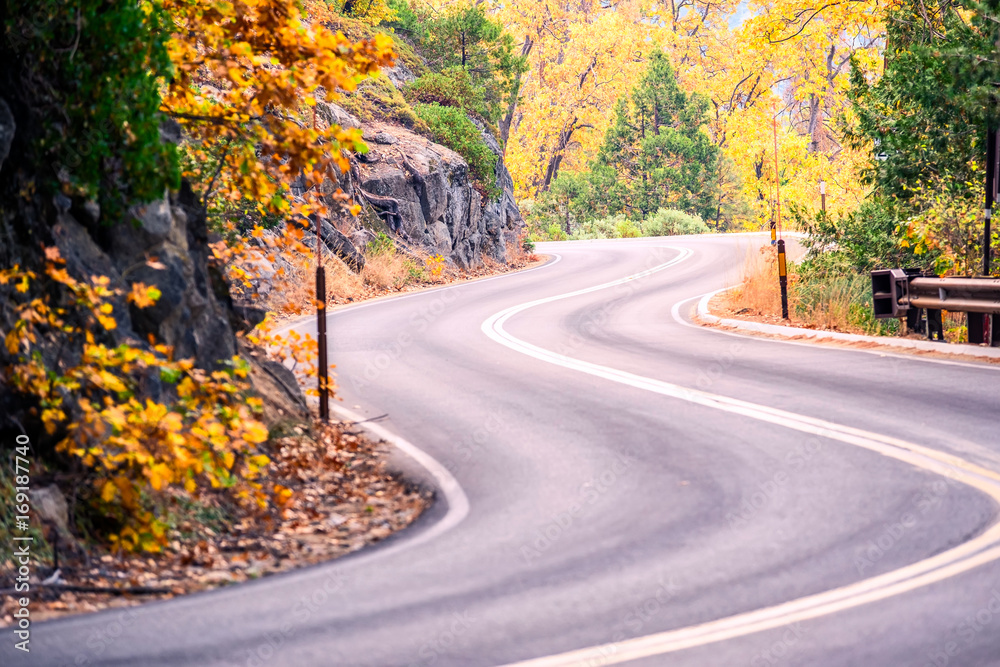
(218, 577)
(384, 138)
(93, 210)
(50, 504)
(54, 579)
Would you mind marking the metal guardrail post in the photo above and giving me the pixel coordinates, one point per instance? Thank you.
(904, 292)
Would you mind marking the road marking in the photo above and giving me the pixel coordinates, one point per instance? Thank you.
(308, 319)
(458, 502)
(675, 313)
(980, 550)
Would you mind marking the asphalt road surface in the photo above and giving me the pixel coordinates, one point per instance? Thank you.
(618, 486)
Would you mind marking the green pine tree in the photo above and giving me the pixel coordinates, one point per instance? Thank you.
(656, 154)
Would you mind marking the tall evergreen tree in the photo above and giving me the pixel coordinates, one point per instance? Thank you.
(656, 154)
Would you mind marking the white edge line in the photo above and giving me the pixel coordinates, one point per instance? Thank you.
(977, 551)
(458, 502)
(455, 497)
(792, 332)
(556, 258)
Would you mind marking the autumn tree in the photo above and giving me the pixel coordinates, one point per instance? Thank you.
(924, 124)
(241, 79)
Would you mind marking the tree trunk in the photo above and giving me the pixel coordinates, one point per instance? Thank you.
(508, 119)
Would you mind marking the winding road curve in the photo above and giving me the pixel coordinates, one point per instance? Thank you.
(619, 486)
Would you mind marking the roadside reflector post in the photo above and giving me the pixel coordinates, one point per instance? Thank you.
(783, 278)
(324, 393)
(774, 231)
(321, 374)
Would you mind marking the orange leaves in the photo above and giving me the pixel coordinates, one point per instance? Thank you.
(282, 494)
(143, 296)
(242, 70)
(434, 265)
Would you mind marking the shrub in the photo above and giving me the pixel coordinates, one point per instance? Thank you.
(866, 239)
(381, 245)
(434, 265)
(844, 302)
(463, 36)
(627, 229)
(602, 228)
(377, 98)
(451, 127)
(668, 222)
(95, 103)
(451, 88)
(556, 233)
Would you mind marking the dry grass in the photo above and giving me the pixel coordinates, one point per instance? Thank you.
(757, 290)
(390, 270)
(385, 272)
(832, 302)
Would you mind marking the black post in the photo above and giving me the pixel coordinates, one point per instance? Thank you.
(986, 322)
(991, 188)
(324, 394)
(783, 278)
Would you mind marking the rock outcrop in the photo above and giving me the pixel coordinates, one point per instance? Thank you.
(424, 191)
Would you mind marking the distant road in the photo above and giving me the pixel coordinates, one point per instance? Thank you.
(621, 487)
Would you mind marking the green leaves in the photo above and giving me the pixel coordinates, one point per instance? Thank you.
(925, 120)
(96, 69)
(463, 37)
(451, 127)
(655, 151)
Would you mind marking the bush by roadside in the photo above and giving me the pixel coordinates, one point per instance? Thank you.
(665, 222)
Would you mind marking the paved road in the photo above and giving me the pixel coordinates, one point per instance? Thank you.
(623, 487)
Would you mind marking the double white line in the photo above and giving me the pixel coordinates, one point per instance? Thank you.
(977, 551)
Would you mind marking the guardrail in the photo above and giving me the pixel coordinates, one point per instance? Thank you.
(907, 293)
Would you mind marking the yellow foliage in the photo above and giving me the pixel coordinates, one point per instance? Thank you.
(204, 437)
(785, 58)
(243, 68)
(435, 265)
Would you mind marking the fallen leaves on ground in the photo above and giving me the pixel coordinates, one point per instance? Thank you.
(337, 498)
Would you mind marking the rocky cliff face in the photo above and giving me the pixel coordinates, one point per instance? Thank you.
(424, 191)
